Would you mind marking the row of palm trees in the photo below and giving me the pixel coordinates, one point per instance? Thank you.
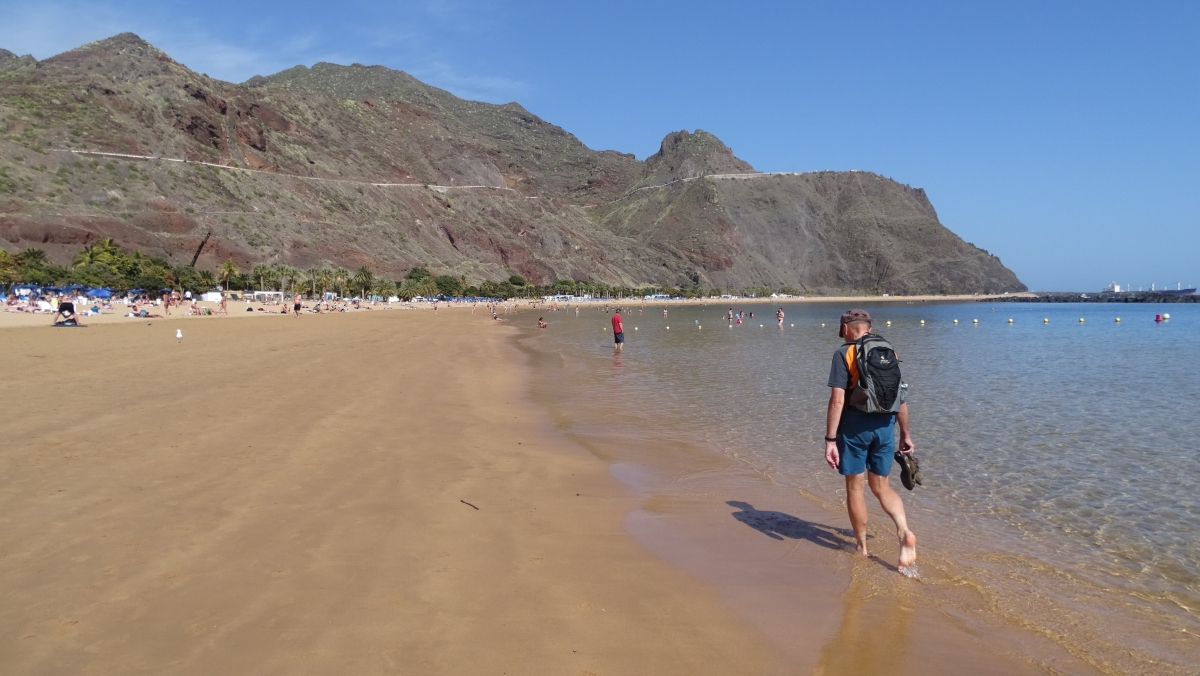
(319, 279)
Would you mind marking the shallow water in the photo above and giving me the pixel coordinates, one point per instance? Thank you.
(1059, 458)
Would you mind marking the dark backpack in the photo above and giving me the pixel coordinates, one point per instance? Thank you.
(880, 387)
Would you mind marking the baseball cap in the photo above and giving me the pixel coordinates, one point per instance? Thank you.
(853, 316)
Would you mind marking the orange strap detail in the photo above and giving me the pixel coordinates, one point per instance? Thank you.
(852, 365)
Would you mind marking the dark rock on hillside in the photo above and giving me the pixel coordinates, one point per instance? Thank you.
(10, 61)
(357, 165)
(685, 155)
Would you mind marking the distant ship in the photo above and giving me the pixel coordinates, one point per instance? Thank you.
(1177, 291)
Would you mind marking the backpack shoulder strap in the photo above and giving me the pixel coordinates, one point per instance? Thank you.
(852, 364)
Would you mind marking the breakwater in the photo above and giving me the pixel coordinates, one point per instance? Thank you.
(1109, 297)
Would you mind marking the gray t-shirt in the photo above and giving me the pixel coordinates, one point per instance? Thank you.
(839, 372)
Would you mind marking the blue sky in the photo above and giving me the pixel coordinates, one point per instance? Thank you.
(1061, 136)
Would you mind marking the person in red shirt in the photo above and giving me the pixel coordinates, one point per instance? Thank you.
(618, 332)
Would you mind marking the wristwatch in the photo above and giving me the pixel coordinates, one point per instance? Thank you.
(830, 438)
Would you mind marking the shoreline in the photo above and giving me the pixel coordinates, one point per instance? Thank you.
(783, 557)
(238, 308)
(290, 497)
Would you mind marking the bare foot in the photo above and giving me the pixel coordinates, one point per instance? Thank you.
(861, 550)
(908, 550)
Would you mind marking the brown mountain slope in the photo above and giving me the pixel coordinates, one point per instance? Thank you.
(301, 155)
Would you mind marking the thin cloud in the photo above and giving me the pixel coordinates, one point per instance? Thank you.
(490, 88)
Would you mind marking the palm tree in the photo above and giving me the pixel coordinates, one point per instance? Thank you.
(208, 279)
(314, 275)
(278, 279)
(363, 279)
(341, 276)
(384, 288)
(418, 287)
(108, 246)
(260, 273)
(89, 255)
(227, 272)
(273, 278)
(31, 256)
(324, 280)
(293, 276)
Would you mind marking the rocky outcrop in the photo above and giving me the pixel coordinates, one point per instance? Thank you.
(10, 61)
(686, 155)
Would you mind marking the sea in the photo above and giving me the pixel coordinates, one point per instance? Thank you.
(1060, 447)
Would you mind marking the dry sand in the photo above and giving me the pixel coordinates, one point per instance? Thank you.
(283, 496)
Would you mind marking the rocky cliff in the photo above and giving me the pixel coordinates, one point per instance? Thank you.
(355, 165)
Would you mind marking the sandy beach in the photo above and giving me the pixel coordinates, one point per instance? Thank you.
(284, 496)
(291, 496)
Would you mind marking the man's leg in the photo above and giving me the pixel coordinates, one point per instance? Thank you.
(894, 506)
(856, 505)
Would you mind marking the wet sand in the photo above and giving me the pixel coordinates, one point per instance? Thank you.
(782, 558)
(284, 496)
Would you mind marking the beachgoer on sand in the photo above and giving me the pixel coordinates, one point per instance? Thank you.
(618, 332)
(858, 442)
(65, 315)
(296, 305)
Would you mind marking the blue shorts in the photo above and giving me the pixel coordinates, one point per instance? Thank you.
(619, 337)
(866, 441)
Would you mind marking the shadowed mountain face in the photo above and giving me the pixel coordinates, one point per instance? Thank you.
(344, 164)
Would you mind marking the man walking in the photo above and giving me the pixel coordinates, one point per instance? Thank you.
(618, 331)
(858, 443)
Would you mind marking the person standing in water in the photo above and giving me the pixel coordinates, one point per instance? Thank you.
(861, 446)
(618, 332)
(779, 317)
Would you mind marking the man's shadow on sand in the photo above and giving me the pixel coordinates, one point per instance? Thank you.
(778, 526)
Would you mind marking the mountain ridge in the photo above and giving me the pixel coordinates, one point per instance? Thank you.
(303, 149)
